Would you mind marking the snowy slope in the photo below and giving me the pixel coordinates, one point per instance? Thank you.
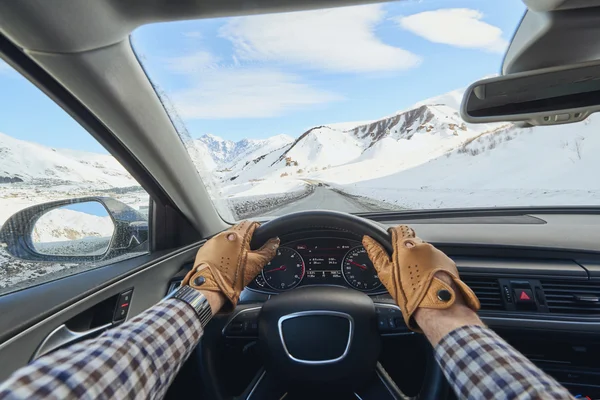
(347, 126)
(63, 225)
(321, 147)
(258, 149)
(257, 168)
(410, 139)
(512, 166)
(26, 161)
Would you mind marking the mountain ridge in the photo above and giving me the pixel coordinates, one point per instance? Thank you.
(227, 152)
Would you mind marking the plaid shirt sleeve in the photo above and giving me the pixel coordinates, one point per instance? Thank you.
(480, 365)
(138, 359)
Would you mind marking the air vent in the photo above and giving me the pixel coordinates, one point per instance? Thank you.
(488, 292)
(581, 298)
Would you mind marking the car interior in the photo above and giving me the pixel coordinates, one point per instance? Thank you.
(536, 270)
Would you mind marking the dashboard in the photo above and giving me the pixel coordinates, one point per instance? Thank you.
(335, 261)
(555, 324)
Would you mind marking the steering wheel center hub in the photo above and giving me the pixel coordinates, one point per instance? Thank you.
(320, 335)
(316, 337)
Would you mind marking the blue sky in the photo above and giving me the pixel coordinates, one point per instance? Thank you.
(89, 207)
(284, 73)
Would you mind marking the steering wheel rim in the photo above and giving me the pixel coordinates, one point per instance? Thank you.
(321, 219)
(433, 386)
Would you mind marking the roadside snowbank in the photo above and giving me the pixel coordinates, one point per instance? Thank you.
(258, 197)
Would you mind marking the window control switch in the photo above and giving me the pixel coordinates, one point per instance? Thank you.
(123, 306)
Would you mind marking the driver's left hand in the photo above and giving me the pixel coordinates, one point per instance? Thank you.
(225, 263)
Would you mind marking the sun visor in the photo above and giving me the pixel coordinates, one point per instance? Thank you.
(553, 5)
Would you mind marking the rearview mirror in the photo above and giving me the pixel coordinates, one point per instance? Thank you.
(81, 229)
(548, 96)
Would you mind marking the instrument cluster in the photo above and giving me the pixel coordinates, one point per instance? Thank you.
(319, 261)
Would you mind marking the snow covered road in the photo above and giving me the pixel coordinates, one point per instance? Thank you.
(324, 198)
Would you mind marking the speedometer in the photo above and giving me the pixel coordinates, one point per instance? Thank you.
(285, 271)
(358, 270)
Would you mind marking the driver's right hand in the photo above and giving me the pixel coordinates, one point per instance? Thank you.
(418, 275)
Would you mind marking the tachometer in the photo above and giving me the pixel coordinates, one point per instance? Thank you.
(359, 271)
(285, 271)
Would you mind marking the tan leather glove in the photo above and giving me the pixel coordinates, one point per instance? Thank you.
(409, 275)
(226, 264)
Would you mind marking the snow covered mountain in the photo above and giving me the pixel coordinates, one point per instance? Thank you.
(222, 151)
(227, 153)
(405, 139)
(510, 166)
(22, 161)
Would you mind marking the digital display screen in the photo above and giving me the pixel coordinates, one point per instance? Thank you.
(323, 258)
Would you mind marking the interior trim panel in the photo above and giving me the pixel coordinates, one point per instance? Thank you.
(150, 281)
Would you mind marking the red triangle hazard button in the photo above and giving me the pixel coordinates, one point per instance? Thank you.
(524, 296)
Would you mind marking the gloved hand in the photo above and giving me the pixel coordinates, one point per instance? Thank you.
(410, 274)
(226, 264)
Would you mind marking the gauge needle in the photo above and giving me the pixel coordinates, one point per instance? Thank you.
(363, 267)
(282, 268)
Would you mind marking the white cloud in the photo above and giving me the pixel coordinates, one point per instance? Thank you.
(461, 27)
(339, 39)
(246, 93)
(192, 63)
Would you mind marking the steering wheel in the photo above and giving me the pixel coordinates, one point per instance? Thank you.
(320, 337)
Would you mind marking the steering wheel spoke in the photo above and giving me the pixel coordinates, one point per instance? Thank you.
(381, 387)
(390, 321)
(263, 387)
(243, 323)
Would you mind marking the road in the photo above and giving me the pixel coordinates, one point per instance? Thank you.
(326, 199)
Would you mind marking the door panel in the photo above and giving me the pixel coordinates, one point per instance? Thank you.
(22, 330)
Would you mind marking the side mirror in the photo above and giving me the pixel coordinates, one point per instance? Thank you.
(549, 96)
(87, 229)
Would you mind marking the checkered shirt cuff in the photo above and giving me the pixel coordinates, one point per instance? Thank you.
(481, 365)
(138, 359)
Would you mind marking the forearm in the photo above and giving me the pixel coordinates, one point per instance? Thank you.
(436, 324)
(138, 359)
(478, 363)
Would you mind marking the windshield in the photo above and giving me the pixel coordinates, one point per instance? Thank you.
(355, 109)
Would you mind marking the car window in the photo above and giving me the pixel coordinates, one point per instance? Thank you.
(66, 204)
